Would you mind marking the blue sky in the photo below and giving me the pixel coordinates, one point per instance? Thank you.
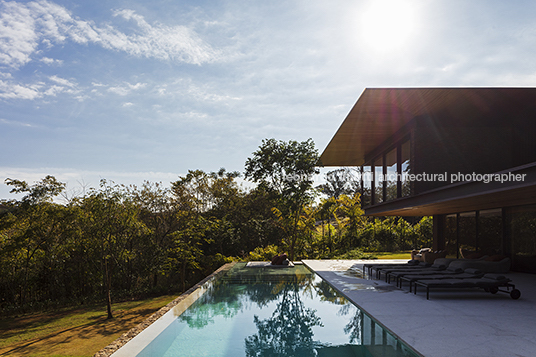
(146, 90)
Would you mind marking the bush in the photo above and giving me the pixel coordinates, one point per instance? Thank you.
(263, 254)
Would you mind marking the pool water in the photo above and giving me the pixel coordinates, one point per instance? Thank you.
(273, 312)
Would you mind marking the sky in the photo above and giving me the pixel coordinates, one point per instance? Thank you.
(135, 90)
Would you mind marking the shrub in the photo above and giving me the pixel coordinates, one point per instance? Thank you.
(263, 253)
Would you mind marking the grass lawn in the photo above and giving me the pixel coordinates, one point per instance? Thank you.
(393, 255)
(72, 331)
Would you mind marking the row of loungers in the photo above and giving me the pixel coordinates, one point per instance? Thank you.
(441, 276)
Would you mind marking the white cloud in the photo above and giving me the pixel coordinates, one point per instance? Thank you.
(10, 90)
(19, 39)
(126, 89)
(14, 123)
(51, 61)
(62, 81)
(24, 26)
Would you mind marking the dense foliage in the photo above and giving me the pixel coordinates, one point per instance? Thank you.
(115, 242)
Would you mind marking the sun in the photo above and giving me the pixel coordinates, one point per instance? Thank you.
(388, 24)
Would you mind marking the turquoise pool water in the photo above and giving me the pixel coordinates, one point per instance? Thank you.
(273, 312)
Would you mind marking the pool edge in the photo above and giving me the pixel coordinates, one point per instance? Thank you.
(130, 334)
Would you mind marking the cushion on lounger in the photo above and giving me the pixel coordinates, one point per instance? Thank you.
(455, 270)
(494, 276)
(472, 271)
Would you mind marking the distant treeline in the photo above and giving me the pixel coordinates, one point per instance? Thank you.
(118, 242)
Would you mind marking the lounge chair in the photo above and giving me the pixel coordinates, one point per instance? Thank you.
(388, 273)
(370, 267)
(449, 273)
(438, 269)
(489, 282)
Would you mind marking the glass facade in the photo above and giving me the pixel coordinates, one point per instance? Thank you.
(510, 231)
(490, 231)
(378, 180)
(451, 238)
(471, 232)
(392, 175)
(366, 183)
(467, 232)
(391, 169)
(405, 168)
(523, 238)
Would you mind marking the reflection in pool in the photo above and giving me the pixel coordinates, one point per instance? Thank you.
(273, 312)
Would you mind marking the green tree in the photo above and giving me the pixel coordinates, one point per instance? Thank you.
(198, 196)
(112, 222)
(340, 182)
(350, 207)
(42, 191)
(32, 234)
(158, 211)
(286, 168)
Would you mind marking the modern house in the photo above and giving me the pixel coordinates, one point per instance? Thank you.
(466, 156)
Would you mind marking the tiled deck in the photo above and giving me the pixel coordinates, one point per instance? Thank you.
(468, 322)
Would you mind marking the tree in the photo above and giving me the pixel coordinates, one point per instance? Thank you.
(42, 191)
(112, 221)
(31, 232)
(158, 211)
(339, 182)
(201, 191)
(287, 168)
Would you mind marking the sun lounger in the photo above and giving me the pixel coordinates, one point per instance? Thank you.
(449, 273)
(489, 282)
(388, 273)
(370, 267)
(398, 275)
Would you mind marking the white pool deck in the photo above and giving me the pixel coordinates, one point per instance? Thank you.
(468, 322)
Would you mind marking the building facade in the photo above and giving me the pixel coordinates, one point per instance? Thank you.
(466, 156)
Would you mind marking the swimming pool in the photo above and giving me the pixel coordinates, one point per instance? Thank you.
(266, 312)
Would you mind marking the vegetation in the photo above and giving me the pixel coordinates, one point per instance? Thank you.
(116, 243)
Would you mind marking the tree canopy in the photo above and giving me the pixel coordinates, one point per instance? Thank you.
(120, 242)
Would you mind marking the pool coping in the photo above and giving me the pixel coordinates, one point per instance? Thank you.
(130, 334)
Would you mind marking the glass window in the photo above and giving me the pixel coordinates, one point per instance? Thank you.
(366, 181)
(490, 228)
(450, 234)
(467, 234)
(523, 228)
(378, 180)
(391, 179)
(406, 168)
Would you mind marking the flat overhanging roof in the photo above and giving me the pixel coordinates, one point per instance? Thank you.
(380, 113)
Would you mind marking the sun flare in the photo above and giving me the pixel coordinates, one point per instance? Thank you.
(388, 24)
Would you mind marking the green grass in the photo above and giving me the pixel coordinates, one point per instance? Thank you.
(72, 331)
(359, 254)
(393, 255)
